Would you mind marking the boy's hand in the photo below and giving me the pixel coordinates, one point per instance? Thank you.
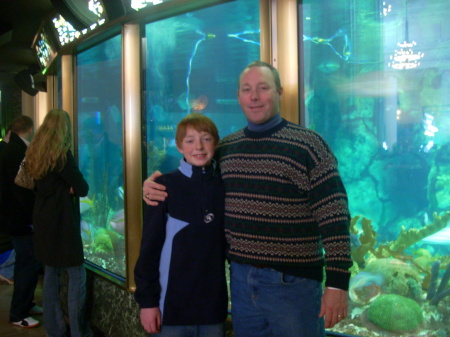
(153, 192)
(151, 319)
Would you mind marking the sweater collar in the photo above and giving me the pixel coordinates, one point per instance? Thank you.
(272, 122)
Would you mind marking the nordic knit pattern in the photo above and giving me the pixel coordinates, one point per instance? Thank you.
(285, 203)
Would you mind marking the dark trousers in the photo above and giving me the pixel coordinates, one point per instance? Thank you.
(26, 275)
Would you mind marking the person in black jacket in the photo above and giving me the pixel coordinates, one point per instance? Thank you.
(180, 272)
(16, 220)
(7, 253)
(57, 239)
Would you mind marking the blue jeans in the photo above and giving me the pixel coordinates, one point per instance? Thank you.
(26, 276)
(7, 267)
(54, 322)
(268, 303)
(215, 330)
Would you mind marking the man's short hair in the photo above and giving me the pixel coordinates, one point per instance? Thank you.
(21, 124)
(275, 73)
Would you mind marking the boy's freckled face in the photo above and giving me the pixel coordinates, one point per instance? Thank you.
(197, 147)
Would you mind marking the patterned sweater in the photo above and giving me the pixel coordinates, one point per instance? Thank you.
(285, 203)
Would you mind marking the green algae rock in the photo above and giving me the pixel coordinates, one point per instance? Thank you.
(395, 313)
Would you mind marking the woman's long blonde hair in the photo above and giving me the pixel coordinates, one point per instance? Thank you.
(47, 151)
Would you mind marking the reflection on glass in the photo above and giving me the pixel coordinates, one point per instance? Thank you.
(100, 154)
(193, 63)
(389, 127)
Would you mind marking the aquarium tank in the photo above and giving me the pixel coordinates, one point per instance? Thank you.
(192, 64)
(100, 152)
(376, 79)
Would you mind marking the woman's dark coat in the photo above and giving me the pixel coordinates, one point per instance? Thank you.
(56, 220)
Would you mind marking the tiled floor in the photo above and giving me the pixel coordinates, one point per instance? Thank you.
(8, 330)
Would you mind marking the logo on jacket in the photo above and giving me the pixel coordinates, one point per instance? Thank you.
(208, 218)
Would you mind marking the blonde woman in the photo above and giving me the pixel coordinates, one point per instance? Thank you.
(57, 235)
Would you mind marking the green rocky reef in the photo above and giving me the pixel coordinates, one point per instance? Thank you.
(395, 313)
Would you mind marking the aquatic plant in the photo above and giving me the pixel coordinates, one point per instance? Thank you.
(155, 157)
(103, 245)
(395, 313)
(433, 295)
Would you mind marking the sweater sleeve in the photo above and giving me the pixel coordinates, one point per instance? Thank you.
(146, 271)
(329, 204)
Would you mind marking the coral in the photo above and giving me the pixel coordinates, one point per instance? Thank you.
(413, 235)
(367, 239)
(434, 295)
(399, 277)
(393, 248)
(395, 313)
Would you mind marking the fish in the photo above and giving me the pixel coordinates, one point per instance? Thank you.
(354, 241)
(328, 67)
(365, 287)
(365, 278)
(121, 192)
(439, 238)
(118, 222)
(86, 233)
(86, 204)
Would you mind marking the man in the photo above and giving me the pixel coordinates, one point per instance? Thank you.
(16, 209)
(284, 204)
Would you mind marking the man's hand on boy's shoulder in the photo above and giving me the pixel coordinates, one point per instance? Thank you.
(153, 192)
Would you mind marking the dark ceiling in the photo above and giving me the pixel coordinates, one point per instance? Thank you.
(19, 22)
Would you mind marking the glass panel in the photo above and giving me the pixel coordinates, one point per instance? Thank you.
(376, 87)
(193, 63)
(100, 154)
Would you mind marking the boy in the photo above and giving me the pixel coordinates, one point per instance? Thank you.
(180, 272)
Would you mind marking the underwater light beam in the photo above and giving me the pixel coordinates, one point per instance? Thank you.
(239, 37)
(339, 33)
(203, 38)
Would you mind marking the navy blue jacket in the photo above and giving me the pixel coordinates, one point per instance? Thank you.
(181, 266)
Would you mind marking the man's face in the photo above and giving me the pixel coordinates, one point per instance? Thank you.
(258, 96)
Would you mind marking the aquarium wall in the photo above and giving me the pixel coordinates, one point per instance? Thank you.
(377, 81)
(192, 64)
(100, 151)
